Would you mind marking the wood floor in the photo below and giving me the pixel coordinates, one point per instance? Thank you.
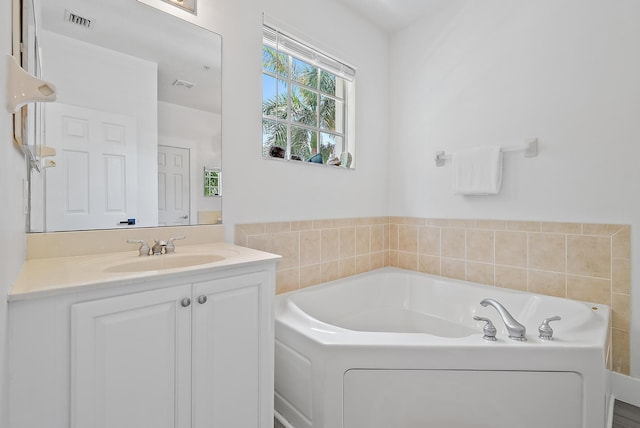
(625, 415)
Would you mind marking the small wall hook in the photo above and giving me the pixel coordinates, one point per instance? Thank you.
(23, 88)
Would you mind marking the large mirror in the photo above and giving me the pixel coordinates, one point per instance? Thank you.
(136, 129)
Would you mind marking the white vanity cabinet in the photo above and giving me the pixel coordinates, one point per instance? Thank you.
(194, 351)
(131, 360)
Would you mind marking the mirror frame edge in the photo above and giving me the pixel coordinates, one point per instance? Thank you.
(16, 51)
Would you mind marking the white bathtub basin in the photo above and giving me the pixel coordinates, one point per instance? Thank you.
(400, 320)
(342, 346)
(399, 301)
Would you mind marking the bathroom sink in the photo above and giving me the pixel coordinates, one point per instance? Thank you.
(171, 261)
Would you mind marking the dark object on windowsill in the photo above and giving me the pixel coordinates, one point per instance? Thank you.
(276, 152)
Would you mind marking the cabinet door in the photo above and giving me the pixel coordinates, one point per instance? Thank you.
(130, 361)
(233, 352)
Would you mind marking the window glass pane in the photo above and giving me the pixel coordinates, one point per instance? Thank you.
(274, 136)
(331, 84)
(274, 97)
(331, 114)
(304, 106)
(277, 63)
(211, 182)
(303, 143)
(304, 73)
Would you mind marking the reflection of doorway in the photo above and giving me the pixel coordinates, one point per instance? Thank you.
(94, 185)
(173, 185)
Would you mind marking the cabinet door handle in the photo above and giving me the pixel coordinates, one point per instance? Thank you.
(202, 299)
(185, 302)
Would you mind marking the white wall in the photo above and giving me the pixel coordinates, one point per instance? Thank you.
(12, 220)
(257, 190)
(496, 72)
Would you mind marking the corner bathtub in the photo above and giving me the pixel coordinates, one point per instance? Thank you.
(394, 348)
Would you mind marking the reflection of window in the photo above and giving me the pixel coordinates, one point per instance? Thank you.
(307, 102)
(212, 183)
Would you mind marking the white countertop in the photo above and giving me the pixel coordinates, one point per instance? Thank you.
(58, 275)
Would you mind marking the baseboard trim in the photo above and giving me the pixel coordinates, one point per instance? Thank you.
(625, 388)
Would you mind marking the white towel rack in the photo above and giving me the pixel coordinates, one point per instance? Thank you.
(530, 149)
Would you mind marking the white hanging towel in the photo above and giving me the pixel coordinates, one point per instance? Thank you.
(477, 171)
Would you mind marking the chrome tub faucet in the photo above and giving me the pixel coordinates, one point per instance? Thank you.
(516, 330)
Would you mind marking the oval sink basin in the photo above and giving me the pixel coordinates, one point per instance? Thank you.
(171, 261)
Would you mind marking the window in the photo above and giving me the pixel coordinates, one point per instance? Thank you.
(212, 183)
(307, 103)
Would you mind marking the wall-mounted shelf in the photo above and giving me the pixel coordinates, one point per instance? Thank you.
(23, 88)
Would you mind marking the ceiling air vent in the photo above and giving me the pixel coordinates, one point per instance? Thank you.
(183, 84)
(81, 21)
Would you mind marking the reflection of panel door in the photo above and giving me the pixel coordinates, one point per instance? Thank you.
(94, 184)
(173, 185)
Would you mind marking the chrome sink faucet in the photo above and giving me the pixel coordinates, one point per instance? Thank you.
(514, 328)
(158, 246)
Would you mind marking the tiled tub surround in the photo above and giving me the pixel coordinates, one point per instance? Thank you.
(578, 261)
(320, 250)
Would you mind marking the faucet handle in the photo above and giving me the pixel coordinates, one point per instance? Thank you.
(545, 331)
(489, 329)
(171, 247)
(144, 247)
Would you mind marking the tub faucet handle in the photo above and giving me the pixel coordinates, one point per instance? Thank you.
(545, 331)
(489, 329)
